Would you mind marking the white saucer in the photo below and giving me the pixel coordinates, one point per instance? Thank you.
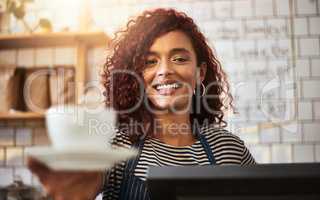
(77, 159)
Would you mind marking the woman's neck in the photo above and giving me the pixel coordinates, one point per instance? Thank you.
(174, 129)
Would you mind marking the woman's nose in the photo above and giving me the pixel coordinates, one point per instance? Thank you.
(164, 68)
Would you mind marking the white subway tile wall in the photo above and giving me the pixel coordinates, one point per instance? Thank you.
(271, 135)
(311, 88)
(303, 153)
(222, 9)
(309, 46)
(264, 8)
(281, 153)
(302, 68)
(14, 156)
(26, 57)
(8, 57)
(23, 136)
(2, 156)
(243, 8)
(201, 11)
(291, 133)
(269, 64)
(311, 132)
(15, 136)
(6, 176)
(24, 174)
(282, 7)
(317, 152)
(44, 57)
(305, 110)
(64, 56)
(314, 25)
(301, 26)
(262, 153)
(315, 67)
(316, 109)
(305, 7)
(249, 138)
(96, 59)
(6, 136)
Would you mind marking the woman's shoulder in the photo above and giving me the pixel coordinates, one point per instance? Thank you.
(121, 138)
(227, 147)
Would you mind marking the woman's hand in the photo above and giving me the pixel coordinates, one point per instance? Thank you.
(67, 185)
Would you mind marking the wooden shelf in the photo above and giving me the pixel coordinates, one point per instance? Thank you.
(21, 115)
(13, 41)
(82, 41)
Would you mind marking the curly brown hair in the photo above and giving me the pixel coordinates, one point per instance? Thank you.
(128, 50)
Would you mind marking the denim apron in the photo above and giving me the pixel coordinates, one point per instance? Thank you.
(133, 188)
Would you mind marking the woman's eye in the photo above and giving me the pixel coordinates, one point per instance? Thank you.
(180, 60)
(151, 62)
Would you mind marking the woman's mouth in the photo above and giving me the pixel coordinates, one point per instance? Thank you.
(167, 88)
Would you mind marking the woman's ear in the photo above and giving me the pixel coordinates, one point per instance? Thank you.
(203, 70)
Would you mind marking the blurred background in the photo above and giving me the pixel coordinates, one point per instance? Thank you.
(270, 50)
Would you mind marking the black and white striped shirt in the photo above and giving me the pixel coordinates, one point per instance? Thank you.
(226, 147)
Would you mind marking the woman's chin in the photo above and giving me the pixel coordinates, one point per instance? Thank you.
(168, 106)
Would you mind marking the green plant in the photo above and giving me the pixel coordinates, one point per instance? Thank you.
(17, 8)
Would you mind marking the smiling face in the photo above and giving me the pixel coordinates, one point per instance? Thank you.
(171, 72)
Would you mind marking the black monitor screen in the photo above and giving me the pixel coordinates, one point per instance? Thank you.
(255, 182)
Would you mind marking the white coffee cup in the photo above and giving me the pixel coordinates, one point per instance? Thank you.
(77, 127)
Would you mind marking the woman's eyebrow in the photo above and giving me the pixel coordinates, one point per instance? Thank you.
(179, 50)
(171, 52)
(152, 53)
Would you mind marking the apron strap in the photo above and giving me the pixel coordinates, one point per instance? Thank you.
(207, 149)
(206, 146)
(131, 164)
(131, 186)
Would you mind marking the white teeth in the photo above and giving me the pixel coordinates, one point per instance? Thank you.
(167, 86)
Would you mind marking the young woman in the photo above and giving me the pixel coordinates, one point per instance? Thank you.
(170, 94)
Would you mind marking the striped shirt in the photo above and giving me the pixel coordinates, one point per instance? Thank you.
(226, 147)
